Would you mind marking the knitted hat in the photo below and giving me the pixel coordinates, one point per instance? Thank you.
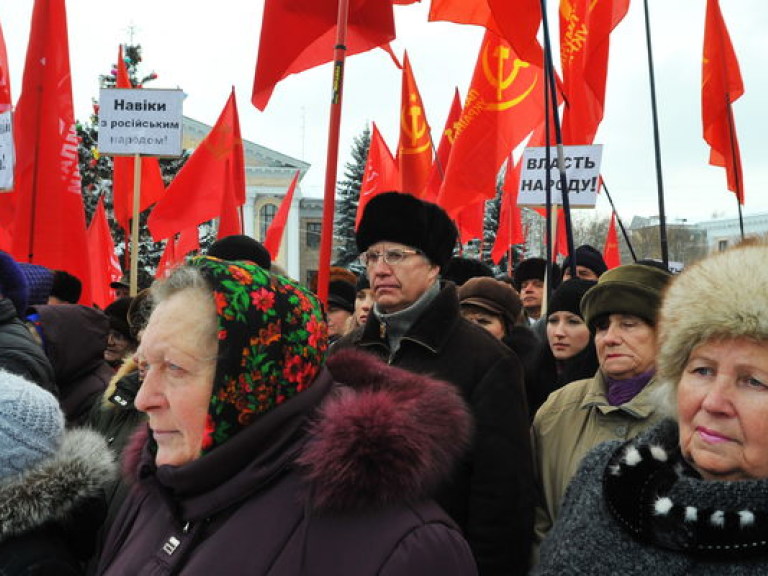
(567, 297)
(272, 343)
(342, 295)
(704, 303)
(39, 282)
(31, 424)
(13, 283)
(533, 269)
(492, 295)
(589, 257)
(402, 218)
(460, 269)
(630, 289)
(117, 312)
(66, 287)
(241, 247)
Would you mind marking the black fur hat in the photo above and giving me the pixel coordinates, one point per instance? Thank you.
(241, 247)
(460, 269)
(402, 218)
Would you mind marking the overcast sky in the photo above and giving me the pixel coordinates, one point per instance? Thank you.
(205, 48)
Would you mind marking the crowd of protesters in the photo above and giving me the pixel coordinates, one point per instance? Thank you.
(430, 418)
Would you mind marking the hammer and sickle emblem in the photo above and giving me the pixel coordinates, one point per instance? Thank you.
(415, 126)
(501, 82)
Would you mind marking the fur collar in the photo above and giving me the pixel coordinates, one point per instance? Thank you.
(52, 490)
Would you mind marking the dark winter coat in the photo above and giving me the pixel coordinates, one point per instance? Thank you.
(527, 347)
(491, 494)
(75, 338)
(338, 489)
(48, 516)
(19, 353)
(638, 508)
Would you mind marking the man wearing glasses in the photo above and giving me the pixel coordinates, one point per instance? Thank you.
(415, 324)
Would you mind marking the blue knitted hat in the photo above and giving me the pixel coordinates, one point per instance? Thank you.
(13, 283)
(31, 425)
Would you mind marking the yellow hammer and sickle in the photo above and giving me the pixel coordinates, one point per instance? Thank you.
(415, 126)
(500, 82)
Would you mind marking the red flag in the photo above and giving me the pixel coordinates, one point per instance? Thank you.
(414, 151)
(49, 220)
(151, 186)
(176, 248)
(5, 77)
(585, 28)
(502, 107)
(199, 191)
(470, 222)
(105, 267)
(443, 150)
(274, 234)
(721, 85)
(297, 35)
(611, 253)
(380, 173)
(510, 230)
(229, 221)
(517, 21)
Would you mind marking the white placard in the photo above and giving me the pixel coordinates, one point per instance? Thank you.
(582, 168)
(140, 121)
(6, 151)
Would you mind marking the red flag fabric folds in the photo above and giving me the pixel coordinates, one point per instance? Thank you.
(275, 231)
(503, 105)
(215, 170)
(721, 85)
(105, 267)
(297, 35)
(585, 28)
(414, 151)
(443, 150)
(510, 230)
(49, 219)
(5, 76)
(611, 253)
(380, 173)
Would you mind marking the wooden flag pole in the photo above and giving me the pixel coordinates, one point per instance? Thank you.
(134, 285)
(329, 198)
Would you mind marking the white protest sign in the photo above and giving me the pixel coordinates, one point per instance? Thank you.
(582, 168)
(140, 121)
(6, 151)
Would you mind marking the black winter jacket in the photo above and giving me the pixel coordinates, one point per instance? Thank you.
(19, 353)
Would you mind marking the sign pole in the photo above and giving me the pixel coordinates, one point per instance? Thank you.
(135, 225)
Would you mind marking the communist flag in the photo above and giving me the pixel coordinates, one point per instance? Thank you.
(151, 187)
(414, 151)
(49, 219)
(176, 248)
(5, 77)
(470, 222)
(585, 27)
(105, 267)
(297, 35)
(611, 253)
(516, 21)
(380, 173)
(274, 236)
(443, 151)
(503, 105)
(214, 170)
(721, 85)
(510, 230)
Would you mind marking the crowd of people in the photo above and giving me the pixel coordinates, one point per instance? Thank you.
(430, 418)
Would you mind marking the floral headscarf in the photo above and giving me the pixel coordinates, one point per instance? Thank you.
(272, 344)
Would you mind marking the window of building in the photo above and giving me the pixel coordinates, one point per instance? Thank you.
(311, 278)
(266, 215)
(313, 234)
(722, 245)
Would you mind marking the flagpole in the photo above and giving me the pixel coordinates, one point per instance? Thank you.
(656, 142)
(736, 163)
(134, 281)
(550, 81)
(326, 235)
(618, 219)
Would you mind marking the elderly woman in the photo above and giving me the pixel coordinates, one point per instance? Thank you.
(686, 497)
(616, 403)
(256, 460)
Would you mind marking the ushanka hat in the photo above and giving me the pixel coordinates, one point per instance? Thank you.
(272, 343)
(402, 218)
(31, 424)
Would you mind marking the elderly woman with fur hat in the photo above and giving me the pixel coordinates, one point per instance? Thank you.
(690, 495)
(617, 402)
(258, 458)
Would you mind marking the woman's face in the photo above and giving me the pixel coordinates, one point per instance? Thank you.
(722, 403)
(178, 352)
(567, 334)
(626, 346)
(493, 323)
(363, 305)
